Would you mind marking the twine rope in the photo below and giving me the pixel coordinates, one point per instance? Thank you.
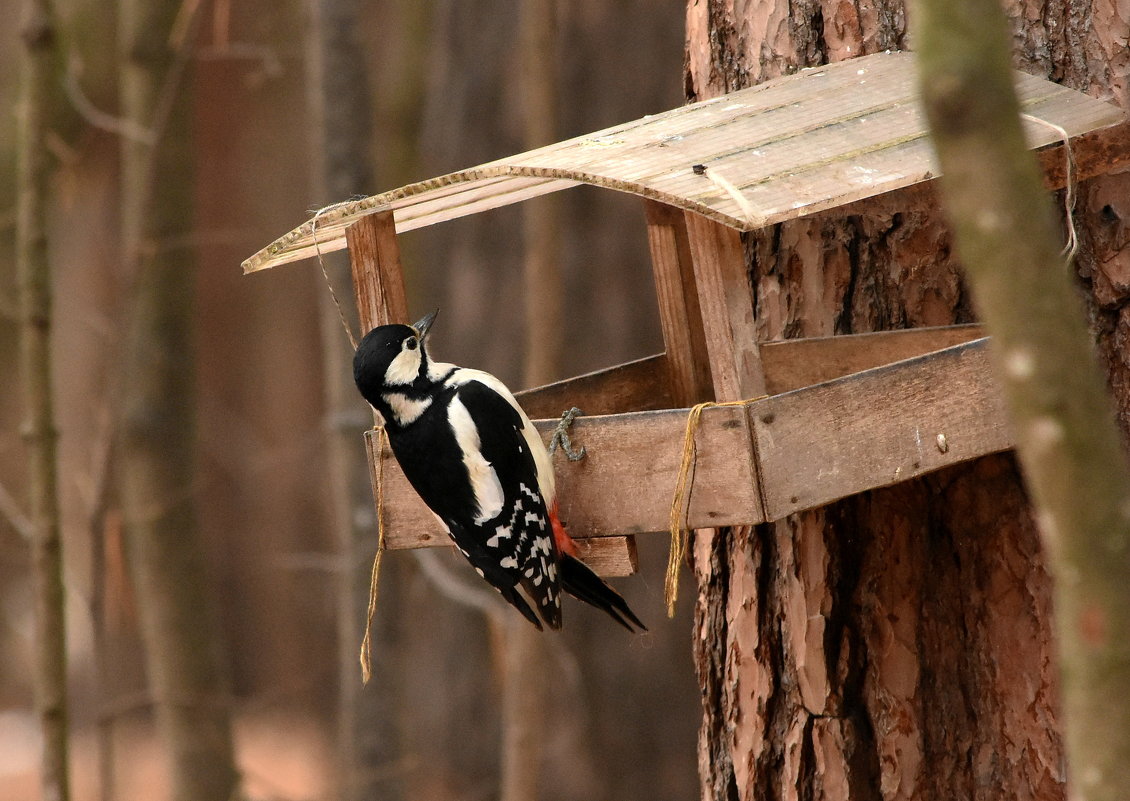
(326, 273)
(681, 499)
(375, 572)
(1072, 245)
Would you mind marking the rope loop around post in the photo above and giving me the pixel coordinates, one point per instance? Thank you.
(681, 499)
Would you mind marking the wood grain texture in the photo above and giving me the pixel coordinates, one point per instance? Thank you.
(726, 302)
(635, 386)
(794, 363)
(378, 279)
(646, 384)
(800, 144)
(609, 556)
(879, 427)
(684, 338)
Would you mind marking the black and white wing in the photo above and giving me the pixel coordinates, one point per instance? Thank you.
(510, 539)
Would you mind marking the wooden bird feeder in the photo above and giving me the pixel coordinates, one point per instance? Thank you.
(842, 415)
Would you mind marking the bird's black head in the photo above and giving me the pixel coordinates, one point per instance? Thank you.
(391, 358)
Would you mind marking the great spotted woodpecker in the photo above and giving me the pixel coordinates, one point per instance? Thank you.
(471, 453)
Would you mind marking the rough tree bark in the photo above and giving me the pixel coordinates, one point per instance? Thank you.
(1073, 457)
(896, 645)
(340, 106)
(34, 164)
(183, 653)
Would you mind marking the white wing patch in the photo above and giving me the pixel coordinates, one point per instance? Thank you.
(533, 440)
(484, 479)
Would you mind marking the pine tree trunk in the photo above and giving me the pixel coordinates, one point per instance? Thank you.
(896, 645)
(183, 654)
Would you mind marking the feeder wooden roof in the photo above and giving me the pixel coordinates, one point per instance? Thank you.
(805, 143)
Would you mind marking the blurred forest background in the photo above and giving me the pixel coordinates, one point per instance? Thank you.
(442, 83)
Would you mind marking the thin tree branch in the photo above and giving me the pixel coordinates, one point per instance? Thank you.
(10, 510)
(450, 586)
(100, 119)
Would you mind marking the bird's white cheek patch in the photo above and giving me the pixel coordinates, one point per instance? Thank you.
(484, 480)
(404, 368)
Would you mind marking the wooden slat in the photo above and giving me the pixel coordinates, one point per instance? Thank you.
(878, 427)
(477, 198)
(609, 556)
(794, 363)
(643, 384)
(623, 486)
(726, 303)
(636, 386)
(684, 339)
(378, 280)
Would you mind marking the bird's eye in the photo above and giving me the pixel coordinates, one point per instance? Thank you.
(411, 343)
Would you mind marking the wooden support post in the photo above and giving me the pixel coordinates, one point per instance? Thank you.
(688, 364)
(378, 278)
(725, 300)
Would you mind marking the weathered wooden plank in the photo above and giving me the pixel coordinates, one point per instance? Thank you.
(640, 385)
(726, 303)
(643, 384)
(878, 427)
(794, 363)
(684, 339)
(623, 486)
(609, 556)
(476, 198)
(378, 280)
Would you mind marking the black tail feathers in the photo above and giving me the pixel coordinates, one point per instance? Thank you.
(515, 599)
(580, 582)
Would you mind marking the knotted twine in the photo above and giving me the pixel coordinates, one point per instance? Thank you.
(375, 572)
(681, 500)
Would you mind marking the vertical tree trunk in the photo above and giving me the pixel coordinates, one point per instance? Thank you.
(50, 661)
(184, 656)
(339, 100)
(896, 645)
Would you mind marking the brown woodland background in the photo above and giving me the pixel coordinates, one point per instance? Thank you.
(622, 713)
(897, 644)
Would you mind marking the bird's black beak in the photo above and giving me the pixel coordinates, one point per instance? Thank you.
(423, 325)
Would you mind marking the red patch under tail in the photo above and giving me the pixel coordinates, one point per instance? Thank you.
(564, 542)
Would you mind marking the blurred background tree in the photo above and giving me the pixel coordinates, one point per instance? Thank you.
(444, 93)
